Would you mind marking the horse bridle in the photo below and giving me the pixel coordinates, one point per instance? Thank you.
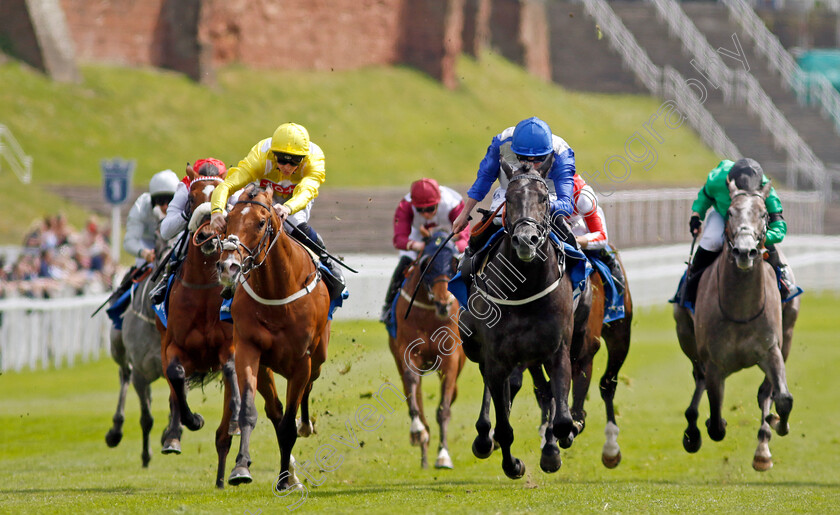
(248, 262)
(759, 236)
(542, 226)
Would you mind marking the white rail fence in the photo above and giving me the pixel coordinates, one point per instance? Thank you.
(13, 156)
(44, 334)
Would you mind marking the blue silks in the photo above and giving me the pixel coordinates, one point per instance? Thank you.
(116, 310)
(162, 309)
(578, 269)
(614, 301)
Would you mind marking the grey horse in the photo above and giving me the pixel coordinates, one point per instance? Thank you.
(136, 349)
(739, 321)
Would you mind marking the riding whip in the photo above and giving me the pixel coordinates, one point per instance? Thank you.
(317, 246)
(136, 273)
(423, 273)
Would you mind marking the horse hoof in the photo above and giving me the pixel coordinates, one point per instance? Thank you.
(566, 441)
(171, 447)
(305, 430)
(419, 438)
(716, 433)
(518, 469)
(550, 460)
(113, 438)
(443, 460)
(482, 448)
(761, 463)
(194, 423)
(611, 462)
(240, 476)
(233, 428)
(220, 484)
(578, 426)
(692, 440)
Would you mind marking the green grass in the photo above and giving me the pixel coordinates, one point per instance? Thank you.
(382, 126)
(54, 459)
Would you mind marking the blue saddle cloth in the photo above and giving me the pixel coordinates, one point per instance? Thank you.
(116, 310)
(578, 269)
(676, 299)
(614, 300)
(224, 311)
(391, 323)
(162, 309)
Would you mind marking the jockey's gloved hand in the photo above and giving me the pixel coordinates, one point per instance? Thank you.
(694, 224)
(218, 222)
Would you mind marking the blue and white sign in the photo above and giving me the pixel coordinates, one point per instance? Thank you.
(116, 175)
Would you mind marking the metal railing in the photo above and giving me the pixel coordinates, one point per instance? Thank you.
(12, 154)
(808, 87)
(742, 88)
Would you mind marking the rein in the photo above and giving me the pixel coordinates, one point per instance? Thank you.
(249, 264)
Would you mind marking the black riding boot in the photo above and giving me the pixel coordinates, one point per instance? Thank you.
(394, 287)
(608, 257)
(335, 279)
(158, 293)
(702, 259)
(788, 288)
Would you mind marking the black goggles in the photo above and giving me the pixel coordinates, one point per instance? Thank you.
(532, 159)
(287, 159)
(427, 209)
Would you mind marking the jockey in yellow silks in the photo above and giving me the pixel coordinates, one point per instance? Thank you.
(294, 167)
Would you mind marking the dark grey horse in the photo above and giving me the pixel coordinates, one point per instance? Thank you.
(520, 314)
(739, 322)
(136, 349)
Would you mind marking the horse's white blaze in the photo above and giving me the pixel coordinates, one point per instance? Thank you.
(611, 445)
(246, 210)
(416, 425)
(208, 189)
(444, 460)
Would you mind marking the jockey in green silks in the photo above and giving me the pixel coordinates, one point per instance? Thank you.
(747, 175)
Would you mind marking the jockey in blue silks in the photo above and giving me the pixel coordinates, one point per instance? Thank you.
(532, 144)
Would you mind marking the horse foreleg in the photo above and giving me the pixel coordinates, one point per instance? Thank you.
(550, 460)
(419, 435)
(581, 379)
(447, 395)
(146, 420)
(115, 434)
(497, 381)
(223, 432)
(235, 399)
(617, 339)
(305, 427)
(763, 460)
(287, 431)
(559, 371)
(691, 436)
(177, 377)
(774, 369)
(716, 424)
(247, 362)
(483, 445)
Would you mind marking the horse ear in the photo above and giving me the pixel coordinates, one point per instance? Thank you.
(732, 187)
(192, 174)
(765, 190)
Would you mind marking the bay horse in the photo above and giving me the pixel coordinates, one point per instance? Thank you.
(280, 323)
(530, 326)
(195, 342)
(136, 349)
(420, 347)
(739, 321)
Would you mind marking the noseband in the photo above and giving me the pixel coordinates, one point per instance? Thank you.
(248, 262)
(542, 226)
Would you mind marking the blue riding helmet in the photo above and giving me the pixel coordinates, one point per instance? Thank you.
(532, 137)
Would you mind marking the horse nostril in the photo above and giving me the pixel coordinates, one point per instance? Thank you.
(753, 253)
(535, 239)
(736, 252)
(515, 241)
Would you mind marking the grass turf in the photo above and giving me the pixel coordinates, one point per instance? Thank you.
(54, 459)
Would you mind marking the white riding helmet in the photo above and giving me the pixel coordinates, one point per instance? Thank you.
(162, 186)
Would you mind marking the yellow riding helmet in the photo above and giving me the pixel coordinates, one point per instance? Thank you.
(291, 138)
